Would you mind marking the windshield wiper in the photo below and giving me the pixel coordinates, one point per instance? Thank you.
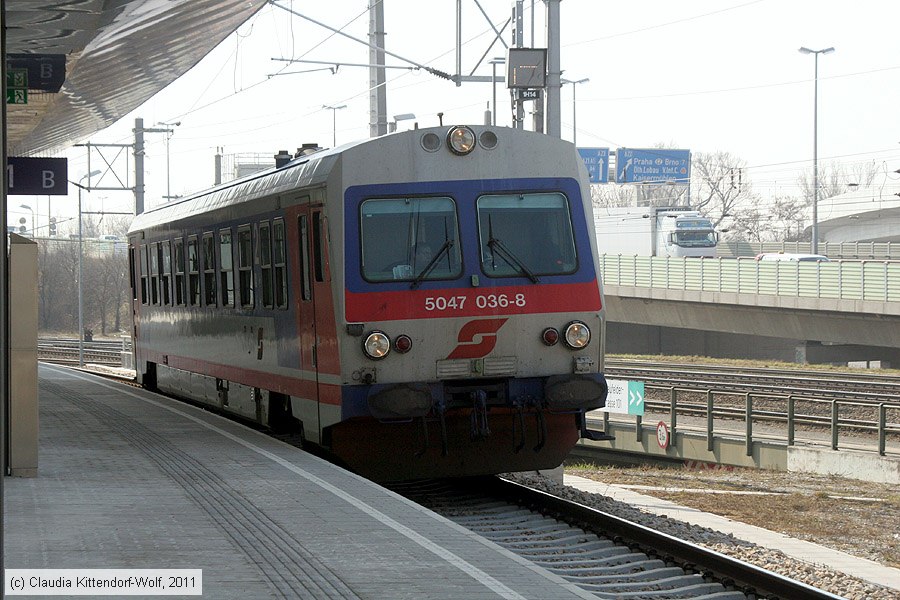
(507, 255)
(432, 264)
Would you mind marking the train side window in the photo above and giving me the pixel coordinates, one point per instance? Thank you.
(280, 264)
(133, 273)
(154, 273)
(304, 258)
(145, 273)
(165, 273)
(318, 253)
(193, 261)
(226, 252)
(178, 259)
(265, 263)
(245, 265)
(209, 270)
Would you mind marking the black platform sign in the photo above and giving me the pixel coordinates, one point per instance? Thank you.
(46, 72)
(37, 176)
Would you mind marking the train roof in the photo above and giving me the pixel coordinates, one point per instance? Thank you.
(307, 170)
(314, 169)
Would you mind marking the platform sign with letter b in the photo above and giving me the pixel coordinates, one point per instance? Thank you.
(625, 397)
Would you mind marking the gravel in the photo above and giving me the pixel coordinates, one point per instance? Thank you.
(817, 576)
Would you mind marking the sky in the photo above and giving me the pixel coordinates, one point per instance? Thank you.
(704, 75)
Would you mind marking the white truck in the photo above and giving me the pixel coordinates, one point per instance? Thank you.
(654, 231)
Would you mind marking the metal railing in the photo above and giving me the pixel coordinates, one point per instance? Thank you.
(833, 250)
(822, 416)
(843, 279)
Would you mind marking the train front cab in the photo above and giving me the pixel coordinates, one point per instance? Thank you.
(483, 354)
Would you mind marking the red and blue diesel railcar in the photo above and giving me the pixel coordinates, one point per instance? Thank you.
(421, 304)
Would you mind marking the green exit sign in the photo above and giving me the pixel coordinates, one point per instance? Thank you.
(17, 78)
(16, 96)
(17, 86)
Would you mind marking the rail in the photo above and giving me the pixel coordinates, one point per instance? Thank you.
(844, 279)
(840, 418)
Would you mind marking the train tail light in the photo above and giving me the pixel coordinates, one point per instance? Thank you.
(550, 336)
(403, 344)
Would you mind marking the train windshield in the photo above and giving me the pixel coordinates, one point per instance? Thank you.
(526, 235)
(409, 239)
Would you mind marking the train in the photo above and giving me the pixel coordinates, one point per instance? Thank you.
(422, 304)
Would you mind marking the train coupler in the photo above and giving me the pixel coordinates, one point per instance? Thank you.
(590, 434)
(480, 428)
(440, 408)
(519, 419)
(541, 424)
(420, 453)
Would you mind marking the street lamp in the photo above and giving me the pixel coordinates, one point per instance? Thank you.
(574, 83)
(403, 117)
(334, 110)
(81, 266)
(494, 63)
(815, 206)
(168, 131)
(33, 226)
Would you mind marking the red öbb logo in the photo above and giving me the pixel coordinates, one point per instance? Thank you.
(477, 338)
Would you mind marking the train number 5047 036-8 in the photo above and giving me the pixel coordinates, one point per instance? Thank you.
(482, 301)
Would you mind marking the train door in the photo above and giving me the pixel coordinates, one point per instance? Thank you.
(316, 321)
(319, 325)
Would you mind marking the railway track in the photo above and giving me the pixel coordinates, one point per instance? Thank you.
(869, 387)
(605, 555)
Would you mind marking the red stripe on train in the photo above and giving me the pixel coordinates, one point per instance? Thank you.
(472, 302)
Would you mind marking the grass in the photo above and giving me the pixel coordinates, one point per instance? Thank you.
(818, 508)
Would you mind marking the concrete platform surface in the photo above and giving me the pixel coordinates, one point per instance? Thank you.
(132, 480)
(802, 550)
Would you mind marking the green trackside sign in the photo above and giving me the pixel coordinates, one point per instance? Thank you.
(625, 397)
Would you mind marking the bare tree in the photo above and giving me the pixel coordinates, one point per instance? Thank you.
(719, 185)
(836, 178)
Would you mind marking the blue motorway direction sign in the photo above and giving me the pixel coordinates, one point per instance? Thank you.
(644, 165)
(597, 162)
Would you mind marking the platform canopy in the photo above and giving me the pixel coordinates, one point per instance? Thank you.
(117, 54)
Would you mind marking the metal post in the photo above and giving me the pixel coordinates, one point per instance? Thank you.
(834, 424)
(749, 421)
(790, 435)
(882, 423)
(334, 110)
(815, 206)
(553, 69)
(377, 90)
(638, 429)
(709, 420)
(81, 267)
(138, 166)
(80, 285)
(673, 411)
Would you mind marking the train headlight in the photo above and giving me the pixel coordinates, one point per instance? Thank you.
(377, 345)
(461, 140)
(578, 335)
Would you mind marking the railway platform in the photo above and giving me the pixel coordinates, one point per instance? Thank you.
(128, 479)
